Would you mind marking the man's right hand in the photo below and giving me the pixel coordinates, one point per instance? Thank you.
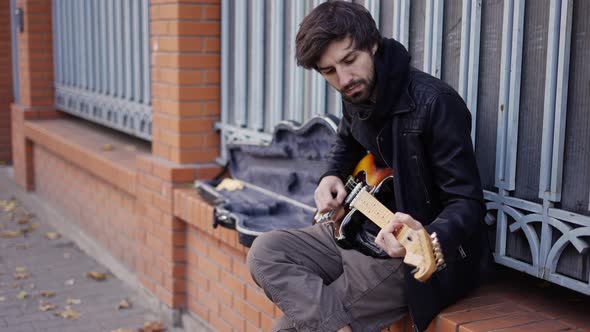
(329, 194)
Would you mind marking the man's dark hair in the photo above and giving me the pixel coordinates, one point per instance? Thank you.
(334, 21)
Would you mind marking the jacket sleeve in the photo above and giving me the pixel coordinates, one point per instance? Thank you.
(346, 151)
(455, 174)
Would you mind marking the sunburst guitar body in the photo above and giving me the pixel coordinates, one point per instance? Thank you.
(367, 187)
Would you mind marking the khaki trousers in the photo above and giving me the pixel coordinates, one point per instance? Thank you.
(322, 287)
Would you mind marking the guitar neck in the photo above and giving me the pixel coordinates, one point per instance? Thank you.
(372, 209)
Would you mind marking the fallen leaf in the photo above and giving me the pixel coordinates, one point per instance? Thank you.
(70, 282)
(24, 219)
(152, 327)
(69, 313)
(10, 205)
(21, 275)
(107, 147)
(10, 234)
(130, 147)
(121, 330)
(73, 301)
(2, 298)
(32, 286)
(67, 255)
(31, 227)
(52, 235)
(46, 293)
(98, 276)
(45, 306)
(22, 295)
(21, 269)
(124, 304)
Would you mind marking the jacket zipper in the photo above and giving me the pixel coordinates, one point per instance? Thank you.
(420, 169)
(414, 327)
(379, 139)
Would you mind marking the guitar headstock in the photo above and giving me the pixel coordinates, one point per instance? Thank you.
(422, 251)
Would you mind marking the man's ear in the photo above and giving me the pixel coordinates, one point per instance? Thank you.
(375, 47)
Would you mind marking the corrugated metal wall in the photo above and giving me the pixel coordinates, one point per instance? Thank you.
(522, 68)
(102, 62)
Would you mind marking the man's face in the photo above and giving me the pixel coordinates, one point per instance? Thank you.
(348, 70)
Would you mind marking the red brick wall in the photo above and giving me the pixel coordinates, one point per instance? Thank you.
(35, 66)
(100, 209)
(6, 97)
(185, 38)
(219, 287)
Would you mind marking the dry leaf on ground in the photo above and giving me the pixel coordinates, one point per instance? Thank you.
(121, 330)
(124, 304)
(46, 306)
(24, 219)
(2, 298)
(154, 326)
(46, 293)
(69, 313)
(107, 147)
(22, 295)
(73, 301)
(130, 147)
(70, 282)
(98, 276)
(52, 235)
(10, 205)
(10, 234)
(21, 275)
(21, 269)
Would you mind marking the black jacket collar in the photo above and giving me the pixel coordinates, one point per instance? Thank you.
(392, 67)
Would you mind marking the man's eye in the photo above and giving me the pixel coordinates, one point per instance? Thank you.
(349, 61)
(328, 71)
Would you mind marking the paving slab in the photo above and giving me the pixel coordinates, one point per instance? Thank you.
(37, 270)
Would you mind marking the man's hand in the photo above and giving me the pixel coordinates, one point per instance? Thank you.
(387, 241)
(329, 194)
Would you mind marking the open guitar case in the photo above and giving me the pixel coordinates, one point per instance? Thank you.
(278, 180)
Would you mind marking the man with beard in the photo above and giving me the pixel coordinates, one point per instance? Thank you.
(416, 125)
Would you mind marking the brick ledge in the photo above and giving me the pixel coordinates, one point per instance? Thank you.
(116, 166)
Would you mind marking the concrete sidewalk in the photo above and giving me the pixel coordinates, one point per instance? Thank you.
(44, 273)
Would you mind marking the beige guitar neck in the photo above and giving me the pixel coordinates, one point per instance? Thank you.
(372, 208)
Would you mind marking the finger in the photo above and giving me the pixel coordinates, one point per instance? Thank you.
(340, 194)
(395, 249)
(406, 219)
(379, 240)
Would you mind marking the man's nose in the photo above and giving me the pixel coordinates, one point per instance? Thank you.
(344, 79)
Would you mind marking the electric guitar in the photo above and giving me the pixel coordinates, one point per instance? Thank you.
(367, 185)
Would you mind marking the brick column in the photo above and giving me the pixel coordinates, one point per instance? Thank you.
(5, 83)
(185, 41)
(185, 80)
(35, 66)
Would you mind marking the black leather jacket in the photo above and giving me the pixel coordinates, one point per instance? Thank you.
(421, 128)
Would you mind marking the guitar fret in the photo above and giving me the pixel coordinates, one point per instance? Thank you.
(373, 209)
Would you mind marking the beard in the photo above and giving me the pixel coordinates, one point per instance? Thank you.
(363, 94)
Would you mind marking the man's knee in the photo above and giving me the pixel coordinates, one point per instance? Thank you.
(264, 250)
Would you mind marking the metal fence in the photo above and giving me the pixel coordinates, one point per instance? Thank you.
(102, 62)
(521, 67)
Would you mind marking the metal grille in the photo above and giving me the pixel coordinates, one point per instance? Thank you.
(102, 62)
(519, 65)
